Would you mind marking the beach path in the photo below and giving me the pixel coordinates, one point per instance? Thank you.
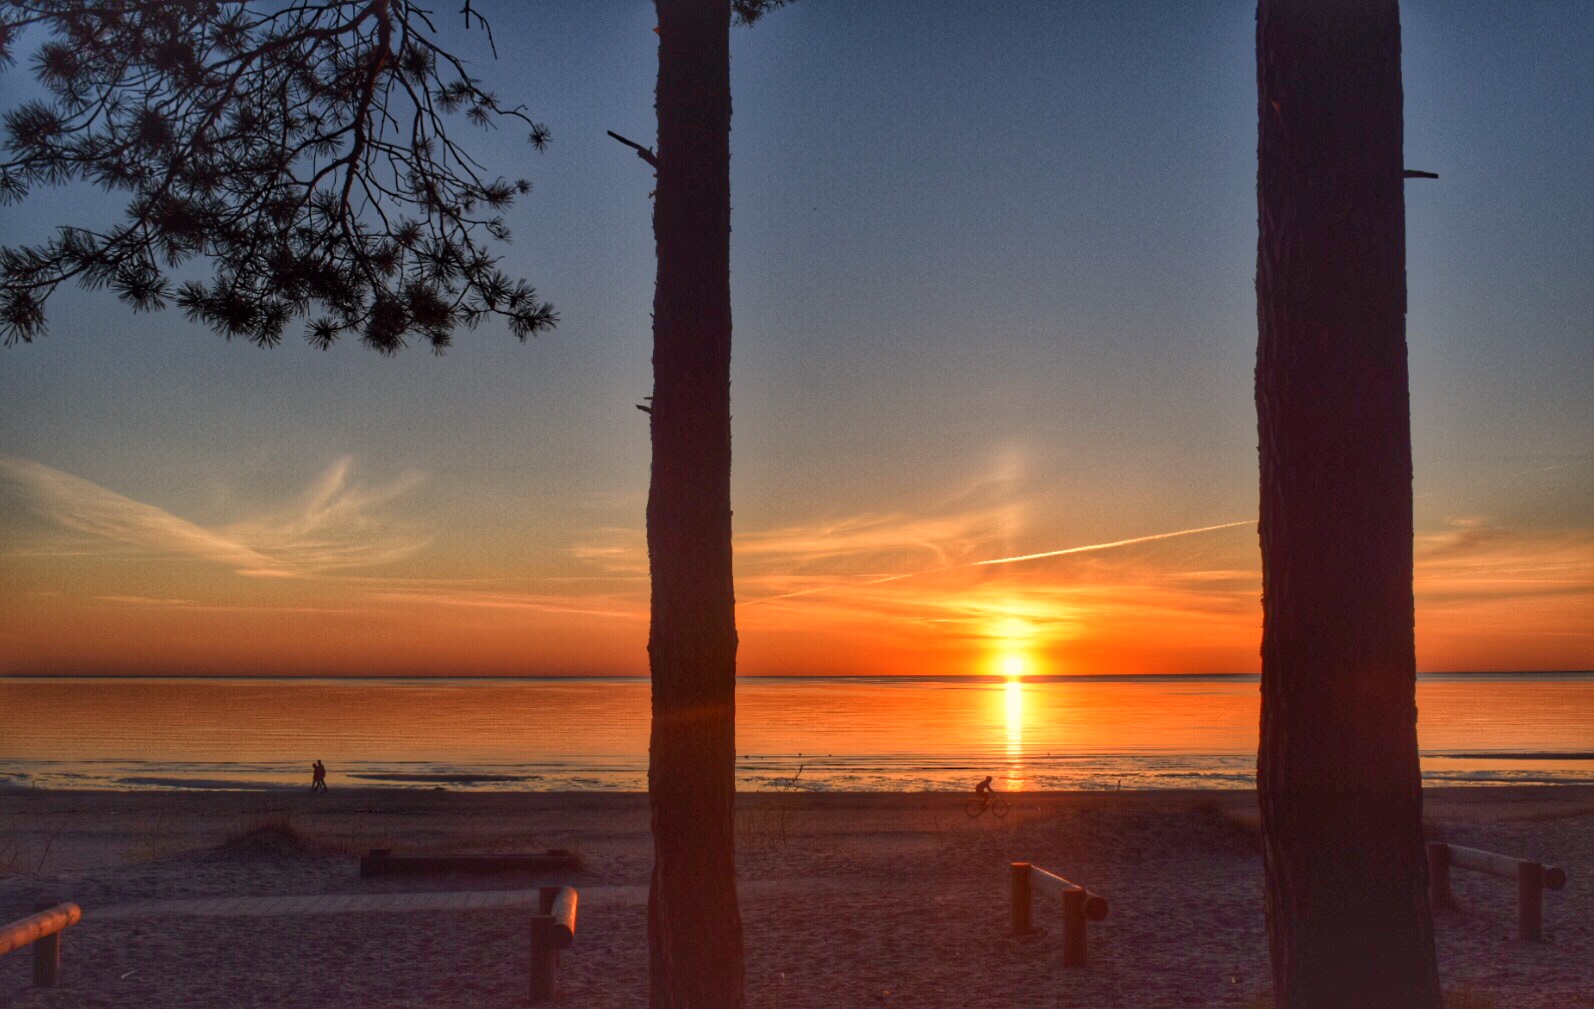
(342, 903)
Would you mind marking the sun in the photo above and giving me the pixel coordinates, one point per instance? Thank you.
(1014, 665)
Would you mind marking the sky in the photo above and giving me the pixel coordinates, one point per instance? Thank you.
(992, 275)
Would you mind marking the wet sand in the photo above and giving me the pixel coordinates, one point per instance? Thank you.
(849, 899)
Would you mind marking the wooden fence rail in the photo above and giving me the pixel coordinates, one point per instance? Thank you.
(1079, 906)
(1533, 878)
(552, 930)
(43, 931)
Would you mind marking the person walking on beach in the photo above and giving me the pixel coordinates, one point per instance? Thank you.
(318, 777)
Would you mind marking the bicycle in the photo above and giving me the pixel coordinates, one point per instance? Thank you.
(976, 807)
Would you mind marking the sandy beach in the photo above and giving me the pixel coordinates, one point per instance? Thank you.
(849, 899)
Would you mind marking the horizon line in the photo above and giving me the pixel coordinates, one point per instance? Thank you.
(955, 677)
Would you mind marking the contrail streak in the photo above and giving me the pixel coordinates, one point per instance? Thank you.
(1012, 560)
(1109, 546)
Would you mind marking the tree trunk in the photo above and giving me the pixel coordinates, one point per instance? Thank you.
(694, 926)
(1337, 773)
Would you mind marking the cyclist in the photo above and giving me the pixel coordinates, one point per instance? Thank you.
(985, 799)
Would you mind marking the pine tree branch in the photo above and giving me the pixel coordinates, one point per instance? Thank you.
(645, 153)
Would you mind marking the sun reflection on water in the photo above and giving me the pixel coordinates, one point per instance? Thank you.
(1013, 692)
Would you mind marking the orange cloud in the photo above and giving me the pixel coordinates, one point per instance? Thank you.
(1495, 598)
(118, 584)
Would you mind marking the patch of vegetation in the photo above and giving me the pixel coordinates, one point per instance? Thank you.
(270, 829)
(771, 823)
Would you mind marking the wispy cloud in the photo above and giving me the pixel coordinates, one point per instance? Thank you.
(86, 507)
(1063, 552)
(622, 607)
(614, 550)
(147, 601)
(856, 545)
(946, 577)
(196, 606)
(983, 517)
(1474, 560)
(949, 569)
(335, 524)
(1068, 594)
(873, 541)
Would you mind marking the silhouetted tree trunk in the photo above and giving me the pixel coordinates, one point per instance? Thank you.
(694, 926)
(1348, 917)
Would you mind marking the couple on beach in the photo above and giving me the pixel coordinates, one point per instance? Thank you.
(318, 777)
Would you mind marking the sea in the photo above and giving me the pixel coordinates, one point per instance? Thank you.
(793, 733)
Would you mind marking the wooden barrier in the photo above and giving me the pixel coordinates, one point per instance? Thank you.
(382, 862)
(1079, 906)
(43, 930)
(552, 930)
(1533, 878)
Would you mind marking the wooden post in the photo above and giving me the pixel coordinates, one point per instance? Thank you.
(42, 930)
(553, 929)
(562, 909)
(1074, 927)
(46, 955)
(1530, 901)
(1079, 906)
(1533, 878)
(1439, 874)
(544, 959)
(1018, 885)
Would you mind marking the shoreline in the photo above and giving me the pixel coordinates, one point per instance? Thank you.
(1043, 775)
(465, 785)
(1585, 789)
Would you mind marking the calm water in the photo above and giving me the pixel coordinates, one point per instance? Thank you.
(877, 734)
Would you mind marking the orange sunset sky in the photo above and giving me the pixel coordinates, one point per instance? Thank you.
(993, 300)
(335, 582)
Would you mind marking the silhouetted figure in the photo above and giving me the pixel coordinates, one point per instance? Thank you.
(318, 777)
(983, 791)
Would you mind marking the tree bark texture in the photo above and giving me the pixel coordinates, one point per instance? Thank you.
(694, 925)
(1337, 773)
